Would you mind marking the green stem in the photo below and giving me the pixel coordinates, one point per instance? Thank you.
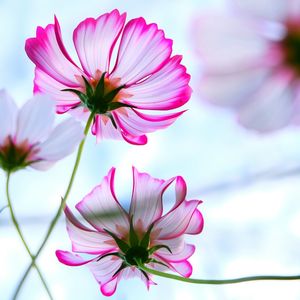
(61, 207)
(16, 224)
(217, 281)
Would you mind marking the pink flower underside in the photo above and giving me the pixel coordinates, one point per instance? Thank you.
(97, 242)
(166, 88)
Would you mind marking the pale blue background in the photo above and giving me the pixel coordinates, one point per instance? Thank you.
(252, 223)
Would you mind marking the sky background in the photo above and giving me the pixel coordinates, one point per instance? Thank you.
(250, 193)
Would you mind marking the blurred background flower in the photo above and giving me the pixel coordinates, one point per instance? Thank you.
(249, 183)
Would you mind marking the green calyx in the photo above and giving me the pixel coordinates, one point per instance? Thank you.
(291, 46)
(95, 98)
(136, 251)
(13, 158)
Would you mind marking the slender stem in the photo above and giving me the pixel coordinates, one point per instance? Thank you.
(16, 224)
(61, 207)
(217, 281)
(2, 209)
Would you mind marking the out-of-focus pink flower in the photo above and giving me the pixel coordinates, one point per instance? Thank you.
(143, 76)
(119, 240)
(27, 136)
(251, 61)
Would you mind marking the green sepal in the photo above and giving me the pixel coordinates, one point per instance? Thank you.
(116, 105)
(111, 254)
(83, 97)
(108, 114)
(152, 260)
(121, 244)
(157, 247)
(88, 88)
(133, 237)
(99, 90)
(146, 239)
(112, 94)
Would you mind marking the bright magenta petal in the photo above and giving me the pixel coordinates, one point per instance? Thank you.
(166, 89)
(70, 259)
(101, 208)
(143, 51)
(46, 50)
(95, 39)
(196, 223)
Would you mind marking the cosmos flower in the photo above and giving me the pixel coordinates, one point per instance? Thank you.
(251, 61)
(27, 136)
(125, 70)
(119, 241)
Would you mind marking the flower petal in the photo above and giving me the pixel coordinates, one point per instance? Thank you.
(103, 271)
(267, 9)
(196, 223)
(8, 116)
(95, 39)
(62, 140)
(184, 268)
(135, 123)
(47, 51)
(232, 89)
(186, 252)
(146, 200)
(70, 259)
(35, 119)
(166, 89)
(239, 39)
(272, 107)
(175, 223)
(143, 51)
(86, 240)
(43, 83)
(101, 208)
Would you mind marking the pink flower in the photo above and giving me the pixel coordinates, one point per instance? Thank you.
(143, 76)
(251, 61)
(27, 136)
(119, 240)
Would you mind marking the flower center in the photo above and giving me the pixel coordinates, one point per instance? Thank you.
(102, 96)
(291, 47)
(135, 254)
(14, 157)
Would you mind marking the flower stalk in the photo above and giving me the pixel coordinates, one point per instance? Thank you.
(61, 207)
(217, 281)
(16, 224)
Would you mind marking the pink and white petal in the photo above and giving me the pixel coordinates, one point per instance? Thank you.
(175, 222)
(196, 223)
(103, 271)
(101, 208)
(103, 128)
(80, 113)
(43, 83)
(135, 123)
(62, 141)
(86, 240)
(132, 272)
(8, 116)
(266, 9)
(166, 89)
(70, 259)
(176, 244)
(184, 268)
(95, 39)
(226, 43)
(146, 200)
(232, 89)
(272, 107)
(185, 253)
(293, 10)
(47, 52)
(143, 51)
(42, 165)
(35, 119)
